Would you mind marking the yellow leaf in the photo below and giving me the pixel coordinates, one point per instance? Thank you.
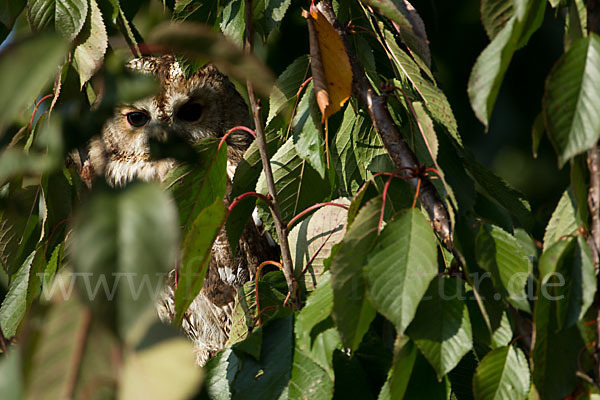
(332, 74)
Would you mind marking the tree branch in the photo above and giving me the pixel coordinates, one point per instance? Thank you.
(280, 225)
(401, 155)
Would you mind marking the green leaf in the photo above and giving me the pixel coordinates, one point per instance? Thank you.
(307, 136)
(502, 374)
(312, 240)
(14, 305)
(124, 242)
(352, 311)
(245, 312)
(196, 252)
(90, 54)
(269, 377)
(10, 10)
(398, 273)
(500, 254)
(308, 379)
(399, 375)
(495, 14)
(145, 372)
(199, 43)
(244, 180)
(491, 65)
(96, 368)
(441, 328)
(408, 24)
(355, 148)
(19, 228)
(433, 98)
(426, 124)
(67, 16)
(506, 197)
(233, 21)
(286, 87)
(552, 357)
(220, 374)
(571, 102)
(197, 186)
(570, 262)
(563, 221)
(316, 336)
(298, 184)
(537, 132)
(55, 361)
(42, 54)
(11, 379)
(575, 22)
(270, 13)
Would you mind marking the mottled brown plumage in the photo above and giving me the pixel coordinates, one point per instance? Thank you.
(205, 105)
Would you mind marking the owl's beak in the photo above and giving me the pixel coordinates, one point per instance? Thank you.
(158, 132)
(165, 142)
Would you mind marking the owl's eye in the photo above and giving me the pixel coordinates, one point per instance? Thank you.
(190, 112)
(137, 118)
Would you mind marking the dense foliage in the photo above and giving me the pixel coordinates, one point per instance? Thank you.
(390, 305)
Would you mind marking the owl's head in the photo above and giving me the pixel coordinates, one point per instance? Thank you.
(205, 105)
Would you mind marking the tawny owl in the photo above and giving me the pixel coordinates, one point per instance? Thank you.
(205, 105)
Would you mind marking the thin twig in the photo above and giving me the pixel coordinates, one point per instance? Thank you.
(256, 278)
(280, 226)
(241, 197)
(401, 155)
(312, 208)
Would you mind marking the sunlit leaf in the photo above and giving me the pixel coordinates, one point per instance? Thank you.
(285, 88)
(563, 221)
(90, 54)
(491, 65)
(495, 14)
(499, 253)
(312, 239)
(307, 133)
(571, 104)
(434, 99)
(441, 328)
(298, 184)
(502, 374)
(408, 23)
(398, 273)
(66, 16)
(352, 311)
(14, 304)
